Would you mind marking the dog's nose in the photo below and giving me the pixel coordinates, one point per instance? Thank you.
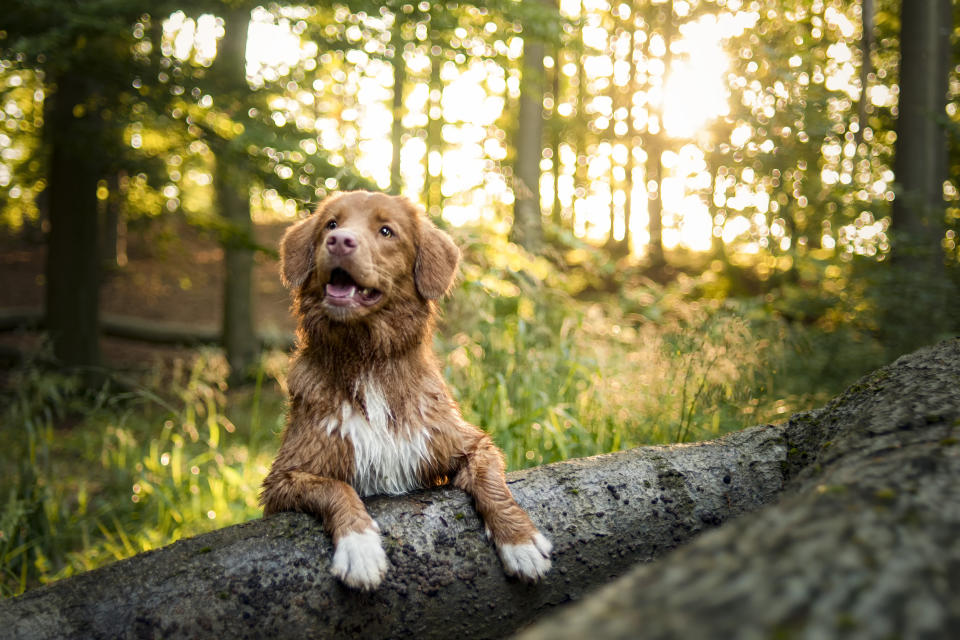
(340, 242)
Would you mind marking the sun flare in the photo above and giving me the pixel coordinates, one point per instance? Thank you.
(690, 94)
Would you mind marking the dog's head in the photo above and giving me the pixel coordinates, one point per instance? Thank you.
(361, 254)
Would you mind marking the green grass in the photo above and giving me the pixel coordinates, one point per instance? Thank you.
(90, 476)
(93, 476)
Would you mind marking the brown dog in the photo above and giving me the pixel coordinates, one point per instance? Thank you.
(369, 411)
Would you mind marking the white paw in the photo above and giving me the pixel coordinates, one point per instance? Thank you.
(359, 560)
(529, 561)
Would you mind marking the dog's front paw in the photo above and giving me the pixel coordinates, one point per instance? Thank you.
(359, 560)
(528, 561)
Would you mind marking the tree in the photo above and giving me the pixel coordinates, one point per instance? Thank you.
(399, 79)
(527, 229)
(233, 181)
(76, 48)
(919, 305)
(75, 126)
(655, 143)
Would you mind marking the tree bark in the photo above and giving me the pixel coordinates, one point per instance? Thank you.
(113, 244)
(527, 229)
(396, 127)
(631, 90)
(655, 145)
(623, 98)
(866, 67)
(580, 177)
(864, 539)
(433, 180)
(863, 544)
(557, 127)
(73, 256)
(232, 182)
(918, 303)
(239, 335)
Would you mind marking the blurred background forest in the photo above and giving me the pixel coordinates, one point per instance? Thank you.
(679, 218)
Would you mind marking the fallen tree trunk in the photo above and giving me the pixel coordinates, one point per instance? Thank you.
(270, 578)
(142, 329)
(881, 452)
(864, 543)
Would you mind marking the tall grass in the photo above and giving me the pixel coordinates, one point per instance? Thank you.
(91, 476)
(552, 377)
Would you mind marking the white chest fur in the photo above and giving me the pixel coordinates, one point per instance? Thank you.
(387, 459)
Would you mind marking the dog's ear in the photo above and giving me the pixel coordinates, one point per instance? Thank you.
(436, 265)
(296, 252)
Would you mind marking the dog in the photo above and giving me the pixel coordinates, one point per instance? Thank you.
(369, 410)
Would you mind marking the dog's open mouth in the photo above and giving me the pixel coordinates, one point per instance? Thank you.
(343, 291)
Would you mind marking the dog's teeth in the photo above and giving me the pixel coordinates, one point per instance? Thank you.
(365, 291)
(352, 292)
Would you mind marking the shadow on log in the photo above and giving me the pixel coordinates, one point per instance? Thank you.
(869, 513)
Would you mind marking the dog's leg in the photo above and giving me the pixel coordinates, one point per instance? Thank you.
(524, 551)
(358, 558)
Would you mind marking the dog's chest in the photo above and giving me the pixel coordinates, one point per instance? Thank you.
(387, 460)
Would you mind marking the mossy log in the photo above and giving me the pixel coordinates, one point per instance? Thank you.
(865, 542)
(852, 505)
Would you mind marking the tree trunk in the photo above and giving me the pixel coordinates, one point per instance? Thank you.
(73, 256)
(654, 165)
(271, 577)
(113, 245)
(145, 330)
(232, 183)
(656, 145)
(239, 337)
(623, 98)
(527, 230)
(632, 89)
(581, 188)
(866, 67)
(557, 127)
(863, 538)
(919, 297)
(433, 179)
(863, 545)
(396, 127)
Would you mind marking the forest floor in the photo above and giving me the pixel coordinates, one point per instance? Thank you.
(172, 275)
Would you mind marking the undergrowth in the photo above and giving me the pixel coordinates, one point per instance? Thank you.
(92, 476)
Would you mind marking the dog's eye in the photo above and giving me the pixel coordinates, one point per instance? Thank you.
(386, 231)
(332, 224)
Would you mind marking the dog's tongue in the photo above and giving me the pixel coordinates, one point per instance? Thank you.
(338, 290)
(341, 285)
